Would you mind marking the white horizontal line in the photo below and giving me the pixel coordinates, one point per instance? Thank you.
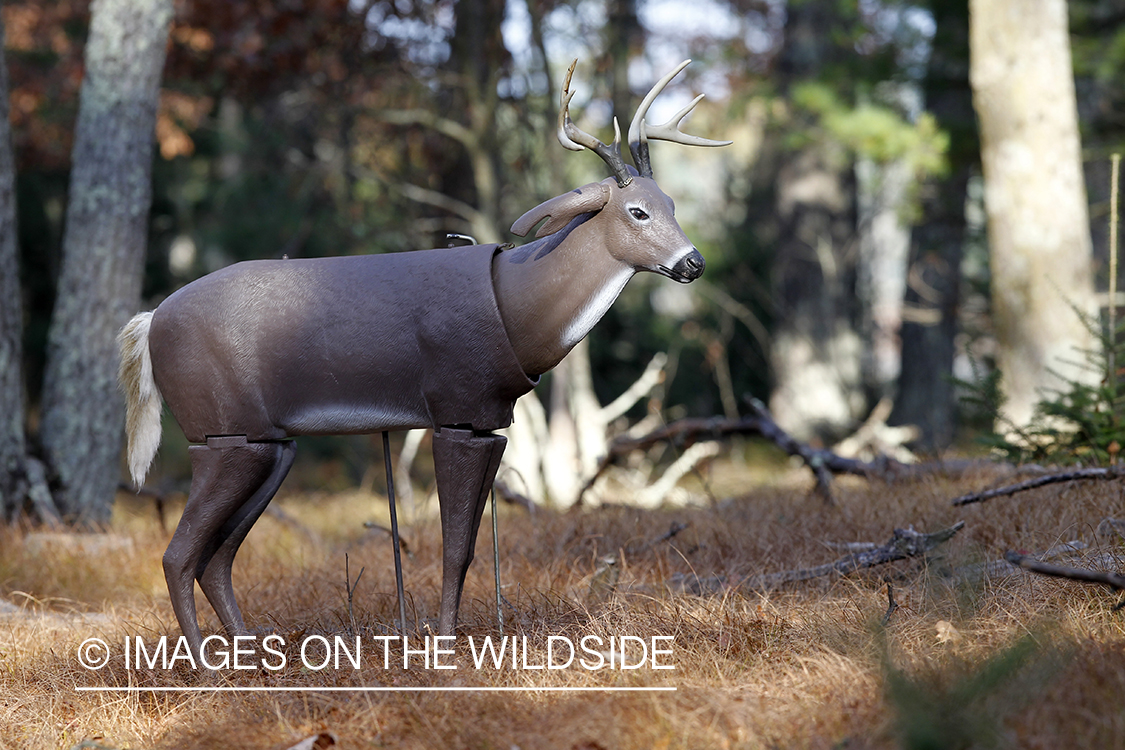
(373, 689)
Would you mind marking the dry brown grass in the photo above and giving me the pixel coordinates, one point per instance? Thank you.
(804, 666)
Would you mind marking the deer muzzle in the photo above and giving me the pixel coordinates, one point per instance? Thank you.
(687, 269)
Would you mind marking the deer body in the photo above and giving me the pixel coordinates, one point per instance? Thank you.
(328, 346)
(264, 351)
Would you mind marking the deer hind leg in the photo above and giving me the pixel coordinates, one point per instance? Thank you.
(465, 465)
(214, 569)
(227, 475)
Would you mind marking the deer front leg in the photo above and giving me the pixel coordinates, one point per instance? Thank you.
(465, 464)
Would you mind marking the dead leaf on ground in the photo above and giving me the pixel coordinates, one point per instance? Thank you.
(315, 742)
(946, 633)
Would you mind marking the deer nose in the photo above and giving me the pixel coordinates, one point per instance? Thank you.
(690, 267)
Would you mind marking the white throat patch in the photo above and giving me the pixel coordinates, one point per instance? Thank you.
(595, 308)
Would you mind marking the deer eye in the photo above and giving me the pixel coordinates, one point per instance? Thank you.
(638, 214)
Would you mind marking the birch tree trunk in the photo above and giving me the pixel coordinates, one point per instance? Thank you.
(1038, 230)
(103, 251)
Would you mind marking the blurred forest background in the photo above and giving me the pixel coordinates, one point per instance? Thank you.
(854, 266)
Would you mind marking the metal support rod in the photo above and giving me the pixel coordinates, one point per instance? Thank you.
(1111, 350)
(394, 532)
(496, 565)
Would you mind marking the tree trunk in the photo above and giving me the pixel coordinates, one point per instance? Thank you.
(103, 251)
(623, 35)
(479, 59)
(12, 444)
(926, 395)
(1035, 198)
(816, 352)
(884, 244)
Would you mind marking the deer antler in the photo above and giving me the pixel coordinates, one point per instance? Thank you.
(640, 132)
(575, 139)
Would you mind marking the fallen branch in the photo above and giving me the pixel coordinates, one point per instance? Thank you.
(159, 499)
(904, 543)
(1110, 528)
(402, 545)
(687, 432)
(1108, 472)
(1113, 580)
(1000, 568)
(659, 491)
(506, 494)
(670, 534)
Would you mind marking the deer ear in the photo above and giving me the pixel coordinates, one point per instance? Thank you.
(561, 209)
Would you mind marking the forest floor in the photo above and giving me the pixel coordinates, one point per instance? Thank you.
(973, 656)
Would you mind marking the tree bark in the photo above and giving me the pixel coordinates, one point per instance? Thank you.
(816, 352)
(12, 443)
(623, 35)
(103, 251)
(884, 245)
(1035, 198)
(926, 395)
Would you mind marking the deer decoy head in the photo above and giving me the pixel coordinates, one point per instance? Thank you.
(594, 238)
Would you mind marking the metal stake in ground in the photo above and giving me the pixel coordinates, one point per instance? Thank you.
(394, 532)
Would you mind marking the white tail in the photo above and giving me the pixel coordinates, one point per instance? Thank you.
(142, 397)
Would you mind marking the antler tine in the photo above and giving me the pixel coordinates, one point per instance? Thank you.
(640, 132)
(670, 131)
(650, 97)
(566, 125)
(575, 139)
(564, 112)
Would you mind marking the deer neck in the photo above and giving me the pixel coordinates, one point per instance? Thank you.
(553, 290)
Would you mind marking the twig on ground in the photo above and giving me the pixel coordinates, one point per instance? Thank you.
(1113, 580)
(278, 514)
(892, 605)
(158, 498)
(674, 529)
(668, 535)
(1107, 472)
(1000, 568)
(402, 544)
(1111, 527)
(350, 588)
(510, 496)
(903, 543)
